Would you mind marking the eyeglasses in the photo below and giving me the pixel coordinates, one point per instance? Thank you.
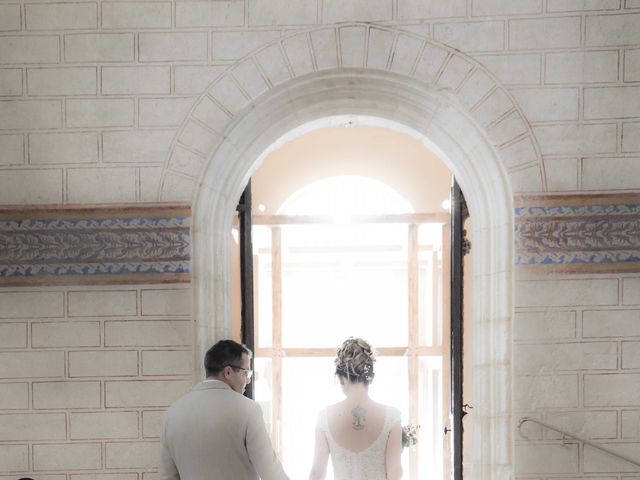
(247, 371)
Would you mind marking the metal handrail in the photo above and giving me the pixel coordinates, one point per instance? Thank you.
(567, 434)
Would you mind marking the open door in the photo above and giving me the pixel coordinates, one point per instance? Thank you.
(459, 247)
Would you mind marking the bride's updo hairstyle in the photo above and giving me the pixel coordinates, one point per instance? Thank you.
(354, 361)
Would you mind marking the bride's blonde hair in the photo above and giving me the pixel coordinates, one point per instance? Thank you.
(354, 361)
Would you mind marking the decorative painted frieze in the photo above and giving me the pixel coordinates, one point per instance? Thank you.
(578, 232)
(146, 244)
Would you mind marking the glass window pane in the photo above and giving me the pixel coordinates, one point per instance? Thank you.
(262, 293)
(431, 442)
(341, 281)
(308, 386)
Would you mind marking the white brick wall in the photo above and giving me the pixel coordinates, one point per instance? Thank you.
(70, 403)
(92, 94)
(577, 369)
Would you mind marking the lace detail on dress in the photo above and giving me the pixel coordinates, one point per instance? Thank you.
(369, 464)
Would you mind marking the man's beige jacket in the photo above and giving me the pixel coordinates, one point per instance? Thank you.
(214, 433)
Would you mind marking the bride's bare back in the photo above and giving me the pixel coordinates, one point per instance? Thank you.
(356, 427)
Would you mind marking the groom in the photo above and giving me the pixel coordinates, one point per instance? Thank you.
(214, 432)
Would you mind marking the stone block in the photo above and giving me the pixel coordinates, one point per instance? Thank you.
(518, 153)
(166, 301)
(544, 33)
(132, 14)
(493, 107)
(195, 79)
(30, 114)
(14, 396)
(67, 456)
(631, 65)
(31, 304)
(103, 476)
(581, 5)
(630, 137)
(631, 291)
(412, 9)
(186, 162)
(117, 185)
(514, 69)
(10, 19)
(198, 138)
(172, 47)
(99, 47)
(14, 458)
(102, 303)
(597, 461)
(177, 188)
(430, 63)
(152, 423)
(144, 393)
(103, 425)
(167, 362)
(547, 459)
(10, 81)
(66, 395)
(630, 354)
(335, 11)
(273, 64)
(548, 104)
(454, 73)
(610, 323)
(490, 8)
(163, 112)
(585, 424)
(11, 150)
(227, 94)
(561, 174)
(471, 36)
(149, 333)
(135, 146)
(610, 173)
(150, 183)
(233, 45)
(581, 67)
(611, 389)
(59, 148)
(324, 45)
(611, 102)
(209, 14)
(577, 138)
(29, 364)
(612, 30)
(566, 356)
(61, 16)
(546, 325)
(533, 392)
(104, 363)
(139, 455)
(13, 335)
(251, 80)
(100, 112)
(65, 334)
(527, 180)
(630, 421)
(30, 187)
(33, 426)
(136, 80)
(29, 49)
(264, 12)
(406, 54)
(297, 50)
(556, 293)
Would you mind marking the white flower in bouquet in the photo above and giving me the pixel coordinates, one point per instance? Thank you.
(409, 435)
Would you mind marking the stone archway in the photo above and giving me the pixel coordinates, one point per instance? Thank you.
(384, 77)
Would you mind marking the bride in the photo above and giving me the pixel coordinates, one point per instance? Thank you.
(363, 437)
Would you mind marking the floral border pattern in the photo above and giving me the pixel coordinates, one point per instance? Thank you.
(150, 244)
(578, 232)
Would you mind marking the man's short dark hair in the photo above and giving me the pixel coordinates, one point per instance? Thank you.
(223, 353)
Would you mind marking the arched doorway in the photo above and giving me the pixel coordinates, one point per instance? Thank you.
(399, 81)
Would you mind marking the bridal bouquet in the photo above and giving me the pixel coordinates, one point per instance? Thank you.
(410, 435)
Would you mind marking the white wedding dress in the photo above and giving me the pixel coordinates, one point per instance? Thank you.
(368, 464)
